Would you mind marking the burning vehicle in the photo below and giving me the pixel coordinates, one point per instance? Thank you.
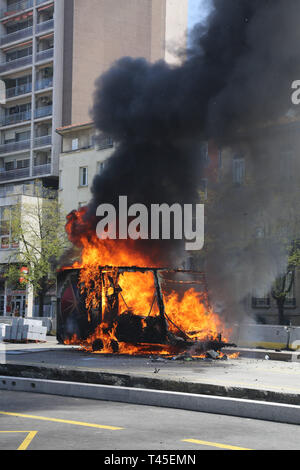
(98, 314)
(131, 309)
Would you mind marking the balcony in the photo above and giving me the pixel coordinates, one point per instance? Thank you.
(18, 90)
(44, 83)
(43, 141)
(17, 190)
(261, 302)
(43, 111)
(42, 170)
(14, 174)
(45, 26)
(17, 36)
(16, 118)
(290, 302)
(16, 63)
(28, 189)
(15, 146)
(16, 7)
(44, 55)
(102, 142)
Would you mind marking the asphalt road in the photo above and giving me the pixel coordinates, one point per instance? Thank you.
(43, 422)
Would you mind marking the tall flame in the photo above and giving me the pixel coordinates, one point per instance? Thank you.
(189, 311)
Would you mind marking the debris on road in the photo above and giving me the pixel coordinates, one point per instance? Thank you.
(212, 354)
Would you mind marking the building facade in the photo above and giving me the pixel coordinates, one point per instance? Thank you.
(253, 220)
(31, 60)
(51, 52)
(98, 33)
(18, 299)
(31, 103)
(83, 156)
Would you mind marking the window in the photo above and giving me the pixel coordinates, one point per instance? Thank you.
(261, 299)
(290, 299)
(22, 108)
(102, 142)
(83, 176)
(204, 154)
(100, 167)
(19, 26)
(203, 188)
(1, 305)
(19, 54)
(75, 144)
(6, 241)
(21, 136)
(23, 164)
(238, 170)
(9, 165)
(42, 158)
(260, 232)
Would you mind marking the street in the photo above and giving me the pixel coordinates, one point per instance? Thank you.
(43, 422)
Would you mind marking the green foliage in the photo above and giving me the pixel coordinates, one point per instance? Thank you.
(39, 228)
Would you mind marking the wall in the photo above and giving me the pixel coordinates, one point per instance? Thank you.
(71, 195)
(176, 28)
(105, 31)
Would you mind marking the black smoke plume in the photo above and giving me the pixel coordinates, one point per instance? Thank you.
(235, 77)
(237, 74)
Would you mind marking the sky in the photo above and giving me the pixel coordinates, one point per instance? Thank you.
(195, 7)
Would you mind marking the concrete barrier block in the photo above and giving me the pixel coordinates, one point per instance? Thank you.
(14, 328)
(7, 333)
(243, 408)
(2, 332)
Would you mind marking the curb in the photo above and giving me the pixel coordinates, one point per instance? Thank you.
(254, 353)
(253, 409)
(77, 375)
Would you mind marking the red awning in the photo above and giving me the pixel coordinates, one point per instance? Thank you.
(47, 36)
(46, 7)
(19, 45)
(18, 18)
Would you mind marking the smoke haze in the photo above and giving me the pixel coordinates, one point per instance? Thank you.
(235, 79)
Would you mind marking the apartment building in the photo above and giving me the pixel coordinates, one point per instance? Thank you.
(31, 59)
(51, 52)
(153, 29)
(31, 32)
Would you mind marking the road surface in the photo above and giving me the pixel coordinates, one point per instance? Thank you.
(43, 422)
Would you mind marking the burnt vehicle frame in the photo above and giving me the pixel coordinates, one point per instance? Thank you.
(73, 317)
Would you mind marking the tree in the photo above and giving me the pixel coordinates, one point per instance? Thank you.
(280, 289)
(284, 283)
(38, 227)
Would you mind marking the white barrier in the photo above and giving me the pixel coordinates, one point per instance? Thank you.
(50, 323)
(267, 336)
(22, 329)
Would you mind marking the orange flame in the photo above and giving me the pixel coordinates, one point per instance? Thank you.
(188, 312)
